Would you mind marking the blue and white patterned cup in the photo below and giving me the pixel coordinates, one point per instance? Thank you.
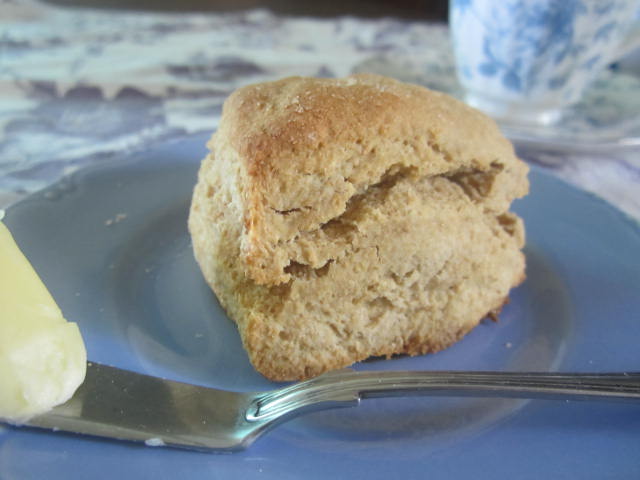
(527, 60)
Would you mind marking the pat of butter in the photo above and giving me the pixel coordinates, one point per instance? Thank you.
(42, 356)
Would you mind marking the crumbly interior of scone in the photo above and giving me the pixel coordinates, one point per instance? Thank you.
(411, 265)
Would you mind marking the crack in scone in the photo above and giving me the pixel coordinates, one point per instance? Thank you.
(335, 239)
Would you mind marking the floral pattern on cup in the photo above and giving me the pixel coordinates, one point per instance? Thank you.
(538, 52)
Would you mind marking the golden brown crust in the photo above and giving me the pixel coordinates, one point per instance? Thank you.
(342, 219)
(296, 135)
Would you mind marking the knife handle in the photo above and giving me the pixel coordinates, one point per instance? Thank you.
(347, 388)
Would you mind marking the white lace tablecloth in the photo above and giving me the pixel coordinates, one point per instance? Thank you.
(79, 86)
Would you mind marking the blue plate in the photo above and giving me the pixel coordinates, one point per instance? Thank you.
(111, 243)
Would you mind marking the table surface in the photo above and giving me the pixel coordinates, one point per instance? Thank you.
(80, 86)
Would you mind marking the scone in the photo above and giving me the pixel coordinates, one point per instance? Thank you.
(339, 219)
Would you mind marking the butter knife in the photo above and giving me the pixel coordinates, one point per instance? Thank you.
(126, 405)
